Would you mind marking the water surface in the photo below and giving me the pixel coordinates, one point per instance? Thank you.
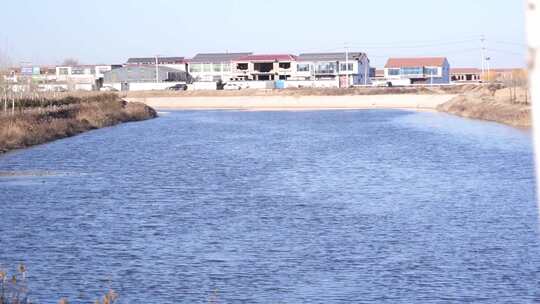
(278, 207)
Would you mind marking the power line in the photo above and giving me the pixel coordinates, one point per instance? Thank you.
(510, 43)
(411, 46)
(507, 52)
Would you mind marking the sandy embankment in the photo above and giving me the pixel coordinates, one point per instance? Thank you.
(510, 106)
(391, 101)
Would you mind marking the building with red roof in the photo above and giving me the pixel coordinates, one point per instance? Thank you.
(420, 70)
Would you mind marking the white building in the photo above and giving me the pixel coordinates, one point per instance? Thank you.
(213, 66)
(265, 67)
(83, 77)
(350, 68)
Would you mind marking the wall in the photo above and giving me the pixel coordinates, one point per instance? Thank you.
(312, 84)
(84, 87)
(203, 85)
(255, 84)
(142, 86)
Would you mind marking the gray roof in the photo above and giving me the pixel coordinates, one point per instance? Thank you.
(340, 56)
(150, 60)
(217, 57)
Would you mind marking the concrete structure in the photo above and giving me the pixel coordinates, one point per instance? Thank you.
(213, 66)
(350, 68)
(178, 63)
(143, 77)
(465, 75)
(426, 70)
(264, 67)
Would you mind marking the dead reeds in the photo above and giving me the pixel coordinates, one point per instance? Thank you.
(39, 121)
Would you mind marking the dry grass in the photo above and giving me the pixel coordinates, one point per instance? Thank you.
(31, 126)
(505, 105)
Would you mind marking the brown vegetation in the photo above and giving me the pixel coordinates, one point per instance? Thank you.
(510, 105)
(39, 121)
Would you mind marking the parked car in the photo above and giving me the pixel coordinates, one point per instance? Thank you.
(178, 87)
(234, 86)
(108, 89)
(231, 86)
(59, 89)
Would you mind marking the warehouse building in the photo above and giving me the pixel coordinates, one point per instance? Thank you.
(178, 63)
(144, 77)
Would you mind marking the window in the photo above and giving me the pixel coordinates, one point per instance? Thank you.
(217, 67)
(393, 72)
(63, 71)
(226, 67)
(326, 67)
(285, 65)
(302, 67)
(412, 71)
(207, 67)
(242, 66)
(431, 71)
(346, 67)
(77, 71)
(195, 68)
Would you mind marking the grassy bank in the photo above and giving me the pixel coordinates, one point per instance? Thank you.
(510, 106)
(38, 121)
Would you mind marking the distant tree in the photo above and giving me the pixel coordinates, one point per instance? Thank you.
(70, 62)
(520, 77)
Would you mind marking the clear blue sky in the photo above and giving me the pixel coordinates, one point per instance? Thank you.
(110, 31)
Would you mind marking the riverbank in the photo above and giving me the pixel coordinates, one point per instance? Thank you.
(302, 92)
(33, 124)
(277, 102)
(509, 106)
(504, 105)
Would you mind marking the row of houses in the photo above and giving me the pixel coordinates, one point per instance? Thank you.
(338, 69)
(349, 68)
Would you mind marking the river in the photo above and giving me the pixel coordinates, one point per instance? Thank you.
(358, 206)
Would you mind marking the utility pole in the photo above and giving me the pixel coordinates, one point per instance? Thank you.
(488, 68)
(482, 54)
(366, 70)
(347, 64)
(157, 69)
